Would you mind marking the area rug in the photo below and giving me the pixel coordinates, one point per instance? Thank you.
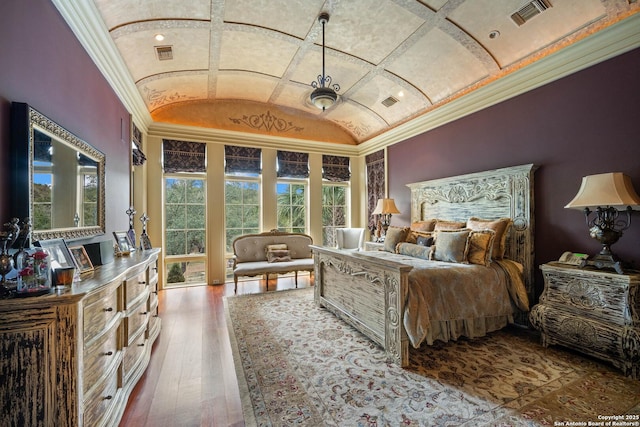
(299, 365)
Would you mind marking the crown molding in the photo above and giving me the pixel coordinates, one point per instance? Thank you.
(615, 40)
(83, 18)
(218, 136)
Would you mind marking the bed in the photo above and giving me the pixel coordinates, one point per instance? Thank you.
(399, 300)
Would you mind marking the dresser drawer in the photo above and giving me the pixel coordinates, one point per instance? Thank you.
(598, 296)
(99, 405)
(136, 322)
(100, 312)
(134, 289)
(100, 357)
(133, 354)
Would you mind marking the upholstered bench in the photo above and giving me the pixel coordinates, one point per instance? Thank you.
(289, 252)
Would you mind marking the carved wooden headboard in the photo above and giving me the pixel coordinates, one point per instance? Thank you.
(506, 192)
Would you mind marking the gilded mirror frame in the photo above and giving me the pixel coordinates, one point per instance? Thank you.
(24, 120)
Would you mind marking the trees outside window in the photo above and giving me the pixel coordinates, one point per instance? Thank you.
(241, 208)
(291, 205)
(334, 211)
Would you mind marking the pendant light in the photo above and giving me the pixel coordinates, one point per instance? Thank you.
(324, 96)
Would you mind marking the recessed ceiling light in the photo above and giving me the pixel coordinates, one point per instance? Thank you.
(401, 94)
(494, 34)
(159, 37)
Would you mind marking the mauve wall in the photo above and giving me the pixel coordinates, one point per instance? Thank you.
(44, 65)
(584, 124)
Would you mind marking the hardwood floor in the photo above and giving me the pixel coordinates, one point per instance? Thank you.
(191, 377)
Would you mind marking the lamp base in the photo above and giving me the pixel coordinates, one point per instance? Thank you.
(601, 261)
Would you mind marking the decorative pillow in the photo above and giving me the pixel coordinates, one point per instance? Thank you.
(425, 225)
(480, 245)
(276, 247)
(413, 236)
(450, 245)
(394, 236)
(500, 226)
(413, 250)
(449, 225)
(424, 240)
(278, 255)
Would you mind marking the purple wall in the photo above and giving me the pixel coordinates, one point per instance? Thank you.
(583, 124)
(44, 65)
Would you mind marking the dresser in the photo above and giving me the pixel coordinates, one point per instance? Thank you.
(596, 312)
(72, 358)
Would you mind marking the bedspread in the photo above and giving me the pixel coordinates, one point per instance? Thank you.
(448, 300)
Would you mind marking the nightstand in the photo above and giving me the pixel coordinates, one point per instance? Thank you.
(596, 312)
(373, 246)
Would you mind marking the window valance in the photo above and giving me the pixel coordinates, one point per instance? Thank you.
(335, 168)
(293, 165)
(246, 160)
(183, 156)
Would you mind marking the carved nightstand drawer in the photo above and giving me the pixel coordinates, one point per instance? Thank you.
(136, 322)
(133, 356)
(99, 405)
(601, 296)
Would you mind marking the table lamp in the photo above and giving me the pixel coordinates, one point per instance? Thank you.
(385, 208)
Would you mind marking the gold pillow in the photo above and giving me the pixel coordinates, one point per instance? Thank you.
(449, 225)
(426, 225)
(450, 245)
(500, 226)
(412, 236)
(276, 247)
(480, 245)
(394, 236)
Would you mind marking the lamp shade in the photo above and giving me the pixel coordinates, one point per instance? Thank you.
(612, 189)
(385, 206)
(323, 97)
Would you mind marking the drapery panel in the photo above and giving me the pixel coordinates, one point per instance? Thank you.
(293, 165)
(242, 159)
(375, 183)
(138, 157)
(335, 168)
(183, 156)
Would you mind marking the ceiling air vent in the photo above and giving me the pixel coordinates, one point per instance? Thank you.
(164, 53)
(389, 101)
(530, 10)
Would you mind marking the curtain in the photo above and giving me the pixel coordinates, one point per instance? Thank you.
(375, 182)
(183, 156)
(335, 168)
(242, 159)
(138, 157)
(293, 165)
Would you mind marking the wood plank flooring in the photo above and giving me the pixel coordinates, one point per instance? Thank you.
(191, 377)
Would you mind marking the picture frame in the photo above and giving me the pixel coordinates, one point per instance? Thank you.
(59, 252)
(83, 263)
(122, 241)
(145, 242)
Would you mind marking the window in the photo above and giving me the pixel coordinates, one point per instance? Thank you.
(241, 208)
(185, 232)
(42, 185)
(334, 210)
(291, 205)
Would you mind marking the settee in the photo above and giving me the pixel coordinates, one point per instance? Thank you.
(271, 252)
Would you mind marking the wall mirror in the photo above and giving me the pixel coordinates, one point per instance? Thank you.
(63, 176)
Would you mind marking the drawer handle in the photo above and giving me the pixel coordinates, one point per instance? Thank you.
(144, 313)
(141, 345)
(155, 292)
(108, 397)
(108, 309)
(155, 269)
(143, 282)
(109, 353)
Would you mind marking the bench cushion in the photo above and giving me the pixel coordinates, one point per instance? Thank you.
(253, 268)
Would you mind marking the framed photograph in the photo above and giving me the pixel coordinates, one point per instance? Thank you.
(59, 251)
(132, 238)
(122, 240)
(145, 242)
(83, 263)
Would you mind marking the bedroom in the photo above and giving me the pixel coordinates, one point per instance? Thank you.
(581, 124)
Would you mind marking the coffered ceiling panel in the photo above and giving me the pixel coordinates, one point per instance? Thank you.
(395, 60)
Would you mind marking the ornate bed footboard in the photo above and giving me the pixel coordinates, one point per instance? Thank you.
(369, 294)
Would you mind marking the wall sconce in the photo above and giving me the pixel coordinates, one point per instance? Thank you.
(607, 194)
(385, 208)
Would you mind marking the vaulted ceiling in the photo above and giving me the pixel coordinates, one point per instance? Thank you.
(247, 65)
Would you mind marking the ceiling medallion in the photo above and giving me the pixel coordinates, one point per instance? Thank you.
(324, 95)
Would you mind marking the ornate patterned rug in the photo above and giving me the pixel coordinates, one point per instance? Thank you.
(298, 364)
